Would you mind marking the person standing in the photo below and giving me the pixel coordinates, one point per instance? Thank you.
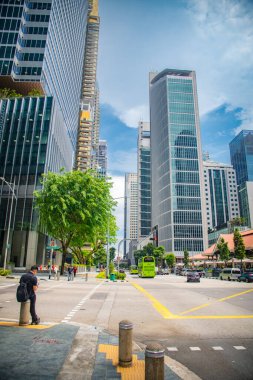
(32, 285)
(70, 273)
(75, 270)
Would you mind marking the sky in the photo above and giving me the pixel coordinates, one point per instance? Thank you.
(212, 37)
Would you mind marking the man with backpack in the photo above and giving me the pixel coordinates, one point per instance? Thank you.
(31, 282)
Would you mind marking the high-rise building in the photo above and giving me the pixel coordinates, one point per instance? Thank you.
(144, 180)
(131, 210)
(221, 194)
(88, 134)
(241, 154)
(42, 49)
(178, 205)
(102, 158)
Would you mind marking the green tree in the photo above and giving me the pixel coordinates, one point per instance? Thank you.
(35, 92)
(112, 251)
(99, 257)
(158, 253)
(186, 258)
(9, 93)
(239, 247)
(170, 259)
(237, 221)
(223, 250)
(138, 254)
(148, 249)
(74, 207)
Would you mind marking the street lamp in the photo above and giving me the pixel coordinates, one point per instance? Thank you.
(7, 245)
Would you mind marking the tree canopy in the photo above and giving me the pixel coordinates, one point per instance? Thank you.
(9, 93)
(223, 250)
(75, 208)
(186, 258)
(170, 259)
(239, 247)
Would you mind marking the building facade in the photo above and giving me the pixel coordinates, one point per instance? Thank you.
(42, 49)
(88, 133)
(241, 154)
(144, 180)
(221, 195)
(102, 158)
(131, 210)
(178, 207)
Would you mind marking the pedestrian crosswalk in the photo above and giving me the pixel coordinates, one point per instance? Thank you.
(214, 348)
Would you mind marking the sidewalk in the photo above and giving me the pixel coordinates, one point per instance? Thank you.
(70, 351)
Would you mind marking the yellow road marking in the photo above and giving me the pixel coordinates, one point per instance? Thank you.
(167, 314)
(219, 300)
(15, 324)
(157, 305)
(135, 372)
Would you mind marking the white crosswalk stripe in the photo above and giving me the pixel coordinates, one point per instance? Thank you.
(239, 347)
(195, 348)
(218, 348)
(172, 348)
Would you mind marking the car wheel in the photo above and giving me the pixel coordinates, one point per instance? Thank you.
(239, 280)
(246, 280)
(229, 279)
(221, 278)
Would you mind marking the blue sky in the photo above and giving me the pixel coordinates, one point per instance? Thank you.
(214, 38)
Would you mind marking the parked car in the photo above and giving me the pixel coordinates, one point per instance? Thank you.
(216, 272)
(121, 271)
(230, 274)
(185, 271)
(193, 276)
(201, 272)
(246, 276)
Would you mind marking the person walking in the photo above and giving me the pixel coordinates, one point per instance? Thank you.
(75, 270)
(32, 285)
(70, 273)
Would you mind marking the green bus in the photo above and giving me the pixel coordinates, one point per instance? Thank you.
(133, 269)
(146, 266)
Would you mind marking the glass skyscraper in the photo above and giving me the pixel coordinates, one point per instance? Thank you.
(178, 207)
(42, 48)
(144, 180)
(241, 154)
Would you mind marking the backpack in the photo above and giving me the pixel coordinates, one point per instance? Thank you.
(22, 292)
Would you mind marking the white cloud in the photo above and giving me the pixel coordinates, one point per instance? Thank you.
(118, 191)
(132, 116)
(214, 38)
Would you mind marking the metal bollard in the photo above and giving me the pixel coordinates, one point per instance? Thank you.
(125, 343)
(86, 276)
(24, 313)
(154, 362)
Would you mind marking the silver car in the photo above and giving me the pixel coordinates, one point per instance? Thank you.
(193, 277)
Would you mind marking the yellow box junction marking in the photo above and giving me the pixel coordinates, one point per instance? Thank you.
(136, 372)
(167, 314)
(37, 327)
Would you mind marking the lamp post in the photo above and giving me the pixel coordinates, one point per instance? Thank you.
(7, 245)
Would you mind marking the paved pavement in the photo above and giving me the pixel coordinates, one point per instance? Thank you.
(69, 351)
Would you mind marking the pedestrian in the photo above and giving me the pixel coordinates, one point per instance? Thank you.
(70, 273)
(75, 270)
(55, 271)
(32, 285)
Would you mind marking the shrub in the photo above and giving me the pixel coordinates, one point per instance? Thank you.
(5, 272)
(101, 275)
(120, 276)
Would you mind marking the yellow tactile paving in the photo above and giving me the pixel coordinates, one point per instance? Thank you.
(36, 327)
(136, 372)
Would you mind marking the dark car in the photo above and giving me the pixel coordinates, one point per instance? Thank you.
(216, 272)
(121, 271)
(247, 277)
(201, 272)
(193, 277)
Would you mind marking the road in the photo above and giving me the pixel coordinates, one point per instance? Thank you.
(206, 326)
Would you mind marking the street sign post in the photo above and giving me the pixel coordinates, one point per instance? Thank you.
(52, 248)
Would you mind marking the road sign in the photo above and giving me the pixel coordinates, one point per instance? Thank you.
(54, 247)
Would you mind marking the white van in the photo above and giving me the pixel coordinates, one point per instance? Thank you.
(230, 274)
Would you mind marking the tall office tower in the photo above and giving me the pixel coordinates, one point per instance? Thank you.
(131, 210)
(144, 180)
(42, 49)
(220, 194)
(102, 158)
(178, 206)
(241, 154)
(88, 134)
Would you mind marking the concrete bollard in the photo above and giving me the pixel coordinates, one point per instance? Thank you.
(154, 362)
(24, 313)
(125, 343)
(58, 275)
(86, 276)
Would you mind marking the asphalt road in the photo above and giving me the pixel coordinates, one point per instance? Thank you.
(206, 326)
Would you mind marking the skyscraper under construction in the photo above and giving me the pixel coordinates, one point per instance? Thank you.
(88, 133)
